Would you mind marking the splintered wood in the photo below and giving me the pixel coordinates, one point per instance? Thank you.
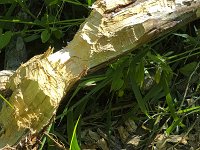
(113, 28)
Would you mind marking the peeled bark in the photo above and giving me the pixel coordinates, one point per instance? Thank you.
(113, 28)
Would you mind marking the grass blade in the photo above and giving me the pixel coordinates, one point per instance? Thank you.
(6, 101)
(138, 96)
(74, 142)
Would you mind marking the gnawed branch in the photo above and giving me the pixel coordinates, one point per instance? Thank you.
(113, 28)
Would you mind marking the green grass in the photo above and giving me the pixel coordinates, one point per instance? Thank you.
(159, 108)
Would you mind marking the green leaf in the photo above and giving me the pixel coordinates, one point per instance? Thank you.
(173, 126)
(45, 36)
(31, 38)
(188, 68)
(117, 84)
(74, 142)
(5, 39)
(58, 33)
(89, 2)
(158, 74)
(171, 106)
(117, 75)
(154, 93)
(169, 100)
(138, 96)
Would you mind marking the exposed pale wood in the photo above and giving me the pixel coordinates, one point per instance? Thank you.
(112, 29)
(4, 78)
